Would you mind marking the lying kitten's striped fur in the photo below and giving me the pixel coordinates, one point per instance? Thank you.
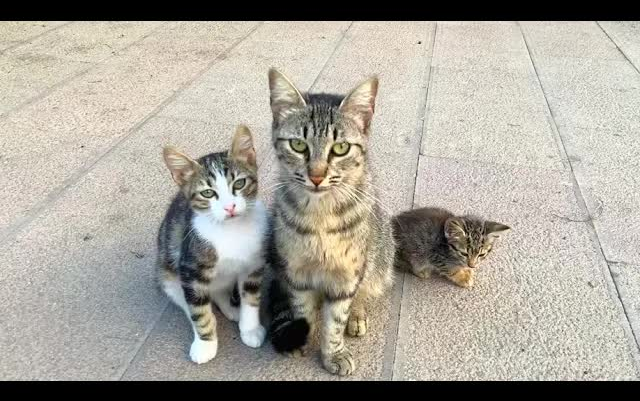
(435, 240)
(332, 247)
(211, 240)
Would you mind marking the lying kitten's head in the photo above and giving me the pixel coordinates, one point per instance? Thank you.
(471, 239)
(320, 139)
(221, 185)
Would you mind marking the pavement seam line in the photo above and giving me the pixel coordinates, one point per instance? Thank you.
(10, 232)
(32, 38)
(581, 202)
(617, 47)
(91, 65)
(423, 110)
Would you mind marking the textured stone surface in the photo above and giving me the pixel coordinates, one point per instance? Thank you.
(540, 144)
(540, 302)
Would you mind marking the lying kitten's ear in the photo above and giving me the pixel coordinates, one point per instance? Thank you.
(242, 150)
(454, 229)
(494, 229)
(285, 97)
(182, 167)
(361, 103)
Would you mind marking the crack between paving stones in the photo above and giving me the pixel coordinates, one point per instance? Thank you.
(617, 47)
(583, 205)
(420, 125)
(51, 199)
(91, 66)
(29, 40)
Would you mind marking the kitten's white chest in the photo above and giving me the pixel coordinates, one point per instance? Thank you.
(236, 240)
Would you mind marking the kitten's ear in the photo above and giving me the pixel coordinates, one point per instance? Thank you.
(454, 229)
(494, 229)
(361, 103)
(285, 97)
(242, 149)
(182, 167)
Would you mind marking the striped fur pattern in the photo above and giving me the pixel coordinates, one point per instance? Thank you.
(331, 248)
(435, 240)
(211, 242)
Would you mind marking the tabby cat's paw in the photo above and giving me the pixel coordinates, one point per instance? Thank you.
(464, 278)
(299, 352)
(423, 274)
(254, 337)
(357, 325)
(203, 351)
(340, 363)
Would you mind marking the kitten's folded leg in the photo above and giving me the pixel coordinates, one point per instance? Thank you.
(252, 332)
(222, 299)
(463, 277)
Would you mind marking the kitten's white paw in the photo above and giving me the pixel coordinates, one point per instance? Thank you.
(203, 351)
(254, 337)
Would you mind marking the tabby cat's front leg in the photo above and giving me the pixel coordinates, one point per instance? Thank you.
(205, 344)
(252, 332)
(336, 358)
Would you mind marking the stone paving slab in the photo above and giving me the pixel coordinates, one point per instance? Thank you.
(84, 118)
(625, 35)
(541, 301)
(14, 33)
(394, 120)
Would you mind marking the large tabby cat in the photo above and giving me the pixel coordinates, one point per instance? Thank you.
(211, 240)
(332, 247)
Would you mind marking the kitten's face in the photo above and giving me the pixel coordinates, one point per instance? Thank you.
(223, 185)
(470, 239)
(321, 144)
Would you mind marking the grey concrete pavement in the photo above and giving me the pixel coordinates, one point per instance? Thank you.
(534, 124)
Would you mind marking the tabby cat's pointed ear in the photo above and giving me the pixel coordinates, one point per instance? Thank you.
(454, 229)
(360, 104)
(242, 150)
(285, 97)
(181, 166)
(494, 229)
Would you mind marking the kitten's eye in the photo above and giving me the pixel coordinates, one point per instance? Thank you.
(463, 253)
(341, 149)
(483, 254)
(298, 145)
(208, 193)
(239, 184)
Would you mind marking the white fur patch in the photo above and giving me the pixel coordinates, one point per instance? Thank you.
(203, 351)
(238, 239)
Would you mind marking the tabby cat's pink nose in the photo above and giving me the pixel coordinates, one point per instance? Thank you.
(316, 179)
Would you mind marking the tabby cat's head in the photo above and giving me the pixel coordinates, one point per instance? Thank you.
(221, 185)
(320, 139)
(471, 239)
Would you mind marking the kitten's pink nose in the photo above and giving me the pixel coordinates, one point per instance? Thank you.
(230, 209)
(316, 179)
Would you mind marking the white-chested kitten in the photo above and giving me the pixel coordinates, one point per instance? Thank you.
(211, 240)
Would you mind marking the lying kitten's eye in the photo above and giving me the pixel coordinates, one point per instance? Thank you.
(298, 145)
(463, 253)
(341, 149)
(483, 254)
(239, 184)
(208, 193)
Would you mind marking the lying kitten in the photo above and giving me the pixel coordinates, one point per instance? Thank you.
(432, 239)
(211, 239)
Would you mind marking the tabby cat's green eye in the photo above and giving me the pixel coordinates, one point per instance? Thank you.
(298, 145)
(341, 149)
(208, 193)
(239, 184)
